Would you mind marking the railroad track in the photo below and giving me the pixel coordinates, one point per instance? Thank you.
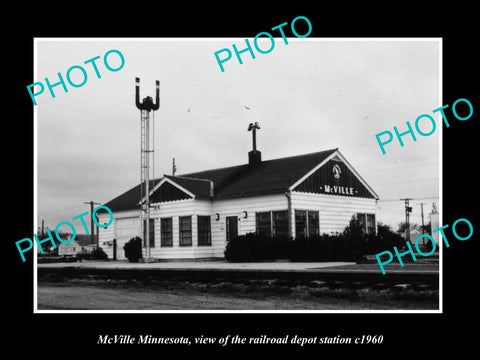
(211, 278)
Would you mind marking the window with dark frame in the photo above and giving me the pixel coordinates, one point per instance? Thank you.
(185, 224)
(151, 231)
(166, 233)
(204, 231)
(300, 223)
(280, 223)
(313, 223)
(371, 229)
(307, 223)
(367, 223)
(264, 223)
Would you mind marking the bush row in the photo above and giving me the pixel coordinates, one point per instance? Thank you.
(350, 245)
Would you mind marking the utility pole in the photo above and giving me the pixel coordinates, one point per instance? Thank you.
(92, 233)
(423, 225)
(408, 210)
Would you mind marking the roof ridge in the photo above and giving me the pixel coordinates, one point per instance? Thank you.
(186, 177)
(263, 161)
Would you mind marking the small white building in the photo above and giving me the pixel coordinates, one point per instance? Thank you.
(81, 244)
(69, 249)
(194, 215)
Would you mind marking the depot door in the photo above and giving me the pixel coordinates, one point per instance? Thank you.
(231, 227)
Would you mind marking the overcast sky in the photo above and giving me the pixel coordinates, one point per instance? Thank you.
(308, 96)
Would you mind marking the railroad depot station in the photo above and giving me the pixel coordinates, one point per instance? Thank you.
(193, 216)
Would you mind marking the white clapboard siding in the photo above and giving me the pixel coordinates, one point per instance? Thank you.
(176, 209)
(335, 212)
(236, 207)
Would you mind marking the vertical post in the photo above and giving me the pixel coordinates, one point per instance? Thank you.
(254, 135)
(147, 184)
(423, 230)
(423, 225)
(407, 219)
(408, 209)
(145, 107)
(92, 228)
(114, 249)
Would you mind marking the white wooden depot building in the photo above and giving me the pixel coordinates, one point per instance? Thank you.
(194, 215)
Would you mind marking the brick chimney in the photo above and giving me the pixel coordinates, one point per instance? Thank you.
(254, 156)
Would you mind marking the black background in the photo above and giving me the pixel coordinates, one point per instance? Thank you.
(64, 335)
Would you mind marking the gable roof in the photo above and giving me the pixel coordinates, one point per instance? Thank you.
(198, 187)
(267, 177)
(128, 200)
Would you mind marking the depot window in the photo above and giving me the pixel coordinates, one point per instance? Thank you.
(307, 223)
(272, 223)
(204, 231)
(166, 234)
(367, 223)
(185, 224)
(151, 231)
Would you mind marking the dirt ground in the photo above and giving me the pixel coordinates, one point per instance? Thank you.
(102, 295)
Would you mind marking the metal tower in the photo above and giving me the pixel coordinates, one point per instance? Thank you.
(145, 107)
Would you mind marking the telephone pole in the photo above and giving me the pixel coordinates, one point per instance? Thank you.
(408, 210)
(92, 233)
(423, 225)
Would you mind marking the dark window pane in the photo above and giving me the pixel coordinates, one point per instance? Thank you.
(185, 230)
(280, 223)
(361, 218)
(300, 223)
(151, 231)
(204, 233)
(264, 224)
(313, 223)
(166, 237)
(371, 224)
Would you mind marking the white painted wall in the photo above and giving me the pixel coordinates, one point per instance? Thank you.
(125, 225)
(236, 207)
(175, 209)
(335, 212)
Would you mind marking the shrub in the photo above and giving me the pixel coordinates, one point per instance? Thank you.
(99, 254)
(350, 245)
(387, 239)
(257, 247)
(237, 249)
(133, 249)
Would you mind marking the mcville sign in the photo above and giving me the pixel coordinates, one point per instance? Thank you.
(338, 190)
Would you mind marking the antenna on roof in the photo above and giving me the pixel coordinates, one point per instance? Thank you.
(253, 128)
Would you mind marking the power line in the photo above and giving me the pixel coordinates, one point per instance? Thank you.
(418, 198)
